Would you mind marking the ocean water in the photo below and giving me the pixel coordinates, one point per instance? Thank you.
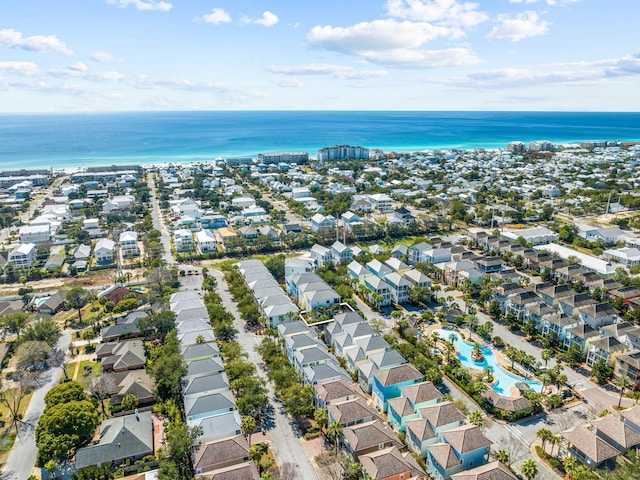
(77, 140)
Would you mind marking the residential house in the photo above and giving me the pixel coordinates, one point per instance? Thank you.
(464, 447)
(609, 235)
(388, 382)
(126, 438)
(580, 336)
(36, 234)
(23, 256)
(53, 304)
(129, 244)
(377, 290)
(627, 256)
(559, 323)
(183, 240)
(322, 223)
(606, 349)
(104, 251)
(323, 256)
(598, 315)
(411, 399)
(390, 464)
(218, 427)
(206, 384)
(351, 412)
(335, 391)
(378, 361)
(121, 356)
(381, 202)
(221, 454)
(208, 404)
(120, 384)
(341, 253)
(490, 471)
(589, 448)
(570, 304)
(368, 437)
(206, 241)
(616, 432)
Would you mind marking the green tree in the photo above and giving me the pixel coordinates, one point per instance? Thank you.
(42, 331)
(50, 467)
(477, 418)
(602, 371)
(65, 392)
(622, 382)
(129, 402)
(544, 434)
(321, 417)
(64, 427)
(159, 324)
(334, 434)
(248, 426)
(503, 457)
(14, 323)
(32, 355)
(529, 469)
(177, 463)
(78, 298)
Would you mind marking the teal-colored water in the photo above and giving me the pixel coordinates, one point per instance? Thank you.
(505, 380)
(81, 140)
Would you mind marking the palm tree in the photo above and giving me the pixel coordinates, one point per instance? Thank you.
(561, 380)
(503, 457)
(334, 433)
(544, 434)
(546, 380)
(477, 418)
(248, 426)
(622, 382)
(546, 356)
(555, 440)
(529, 469)
(321, 417)
(511, 353)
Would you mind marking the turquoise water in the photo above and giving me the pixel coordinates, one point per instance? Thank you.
(41, 301)
(504, 379)
(73, 140)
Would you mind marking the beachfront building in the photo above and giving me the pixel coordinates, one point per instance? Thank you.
(104, 251)
(343, 152)
(129, 244)
(35, 233)
(294, 157)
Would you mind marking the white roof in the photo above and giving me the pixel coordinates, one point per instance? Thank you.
(602, 267)
(626, 252)
(105, 243)
(129, 235)
(24, 248)
(205, 236)
(528, 233)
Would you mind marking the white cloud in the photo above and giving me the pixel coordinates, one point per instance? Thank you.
(337, 71)
(551, 3)
(446, 12)
(406, 58)
(289, 83)
(217, 16)
(103, 57)
(143, 5)
(374, 36)
(26, 69)
(521, 26)
(268, 19)
(36, 43)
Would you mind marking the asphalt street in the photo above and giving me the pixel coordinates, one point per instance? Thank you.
(286, 443)
(24, 452)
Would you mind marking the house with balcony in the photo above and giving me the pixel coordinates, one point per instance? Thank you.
(598, 315)
(558, 323)
(405, 407)
(341, 253)
(616, 433)
(323, 256)
(377, 290)
(322, 223)
(104, 251)
(580, 336)
(129, 244)
(183, 240)
(462, 448)
(570, 304)
(335, 391)
(589, 448)
(387, 383)
(206, 241)
(351, 412)
(378, 361)
(390, 464)
(606, 349)
(399, 287)
(518, 303)
(23, 256)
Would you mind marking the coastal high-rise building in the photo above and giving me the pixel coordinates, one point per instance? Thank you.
(541, 146)
(516, 147)
(295, 157)
(343, 152)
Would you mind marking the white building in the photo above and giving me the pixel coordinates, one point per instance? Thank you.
(104, 250)
(23, 256)
(35, 234)
(129, 244)
(381, 201)
(206, 241)
(534, 236)
(183, 240)
(626, 256)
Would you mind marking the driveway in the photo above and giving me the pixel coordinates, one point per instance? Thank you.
(286, 443)
(24, 452)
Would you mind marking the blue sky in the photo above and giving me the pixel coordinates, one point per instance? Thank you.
(122, 55)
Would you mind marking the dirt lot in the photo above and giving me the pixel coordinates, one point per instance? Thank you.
(91, 279)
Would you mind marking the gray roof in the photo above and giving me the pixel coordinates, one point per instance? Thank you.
(200, 350)
(207, 383)
(121, 437)
(208, 402)
(204, 367)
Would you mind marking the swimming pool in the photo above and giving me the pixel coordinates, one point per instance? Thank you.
(505, 380)
(41, 301)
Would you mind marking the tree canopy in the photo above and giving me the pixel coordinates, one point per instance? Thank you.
(65, 393)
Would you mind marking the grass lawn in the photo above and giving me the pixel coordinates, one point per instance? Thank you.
(86, 372)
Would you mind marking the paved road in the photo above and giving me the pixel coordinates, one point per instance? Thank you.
(158, 222)
(285, 443)
(24, 452)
